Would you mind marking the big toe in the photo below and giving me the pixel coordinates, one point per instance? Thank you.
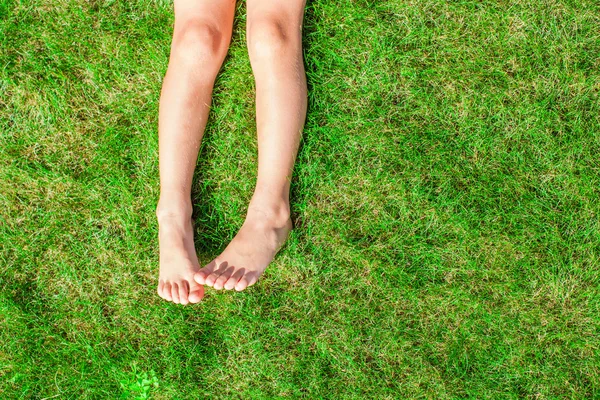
(200, 276)
(196, 293)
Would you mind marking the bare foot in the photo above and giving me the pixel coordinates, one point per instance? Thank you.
(250, 252)
(178, 261)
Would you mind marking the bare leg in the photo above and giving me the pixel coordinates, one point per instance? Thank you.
(275, 48)
(200, 40)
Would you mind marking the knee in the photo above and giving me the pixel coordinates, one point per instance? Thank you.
(269, 38)
(198, 44)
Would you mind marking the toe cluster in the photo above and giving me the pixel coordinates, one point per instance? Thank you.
(180, 292)
(219, 276)
(225, 276)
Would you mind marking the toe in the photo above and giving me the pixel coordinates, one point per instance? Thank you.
(183, 292)
(200, 276)
(224, 277)
(212, 278)
(166, 292)
(242, 284)
(175, 292)
(196, 293)
(159, 289)
(234, 279)
(247, 280)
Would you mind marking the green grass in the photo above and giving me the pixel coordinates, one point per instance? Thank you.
(446, 204)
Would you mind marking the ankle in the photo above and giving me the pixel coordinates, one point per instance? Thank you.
(173, 210)
(276, 212)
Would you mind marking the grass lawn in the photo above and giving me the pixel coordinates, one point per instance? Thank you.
(446, 204)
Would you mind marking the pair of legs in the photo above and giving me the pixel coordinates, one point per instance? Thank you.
(200, 41)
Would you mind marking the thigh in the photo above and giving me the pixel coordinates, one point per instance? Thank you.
(217, 14)
(287, 12)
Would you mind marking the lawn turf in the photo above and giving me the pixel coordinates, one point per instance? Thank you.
(445, 202)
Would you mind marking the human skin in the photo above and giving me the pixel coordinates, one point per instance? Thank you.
(201, 38)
